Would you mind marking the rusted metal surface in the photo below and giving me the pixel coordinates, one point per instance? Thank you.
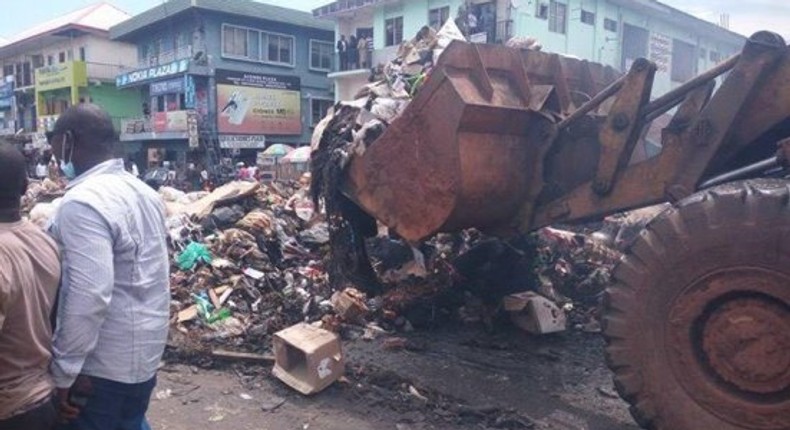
(623, 125)
(730, 337)
(466, 151)
(694, 143)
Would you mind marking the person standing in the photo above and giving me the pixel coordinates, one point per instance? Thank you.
(342, 52)
(113, 311)
(362, 52)
(353, 54)
(29, 276)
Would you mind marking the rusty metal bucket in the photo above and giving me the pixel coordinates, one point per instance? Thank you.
(467, 150)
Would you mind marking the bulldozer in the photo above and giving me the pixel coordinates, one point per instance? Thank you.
(697, 322)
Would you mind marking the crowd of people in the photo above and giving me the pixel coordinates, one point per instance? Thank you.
(355, 52)
(84, 306)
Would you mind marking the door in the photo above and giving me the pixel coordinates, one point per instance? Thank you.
(634, 45)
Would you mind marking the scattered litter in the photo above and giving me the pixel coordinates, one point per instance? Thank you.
(308, 359)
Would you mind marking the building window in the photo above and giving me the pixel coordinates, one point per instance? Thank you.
(394, 31)
(234, 41)
(62, 57)
(558, 14)
(684, 61)
(38, 61)
(437, 17)
(588, 17)
(8, 70)
(321, 54)
(318, 109)
(50, 60)
(542, 10)
(82, 53)
(715, 56)
(610, 25)
(703, 54)
(279, 48)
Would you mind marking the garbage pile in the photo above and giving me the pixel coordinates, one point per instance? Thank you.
(247, 261)
(41, 200)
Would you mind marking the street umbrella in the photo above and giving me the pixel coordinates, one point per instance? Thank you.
(278, 150)
(298, 155)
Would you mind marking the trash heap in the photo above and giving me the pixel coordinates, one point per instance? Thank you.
(41, 200)
(247, 261)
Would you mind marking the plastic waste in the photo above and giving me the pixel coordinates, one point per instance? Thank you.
(193, 254)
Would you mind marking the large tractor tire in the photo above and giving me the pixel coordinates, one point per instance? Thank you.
(698, 321)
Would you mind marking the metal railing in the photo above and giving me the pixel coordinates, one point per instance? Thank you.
(343, 6)
(166, 57)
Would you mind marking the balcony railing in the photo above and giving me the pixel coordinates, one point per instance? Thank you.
(343, 6)
(368, 60)
(167, 57)
(104, 72)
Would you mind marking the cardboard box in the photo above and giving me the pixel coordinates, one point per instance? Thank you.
(307, 358)
(535, 313)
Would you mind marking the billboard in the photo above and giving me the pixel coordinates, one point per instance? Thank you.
(63, 75)
(251, 103)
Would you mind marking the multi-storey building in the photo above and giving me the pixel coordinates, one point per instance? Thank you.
(239, 75)
(612, 32)
(63, 62)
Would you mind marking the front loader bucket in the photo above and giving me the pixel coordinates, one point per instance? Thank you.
(467, 150)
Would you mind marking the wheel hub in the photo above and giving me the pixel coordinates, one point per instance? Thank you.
(747, 343)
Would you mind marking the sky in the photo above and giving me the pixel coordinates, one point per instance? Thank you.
(746, 16)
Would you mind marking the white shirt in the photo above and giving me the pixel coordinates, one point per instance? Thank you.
(113, 310)
(135, 172)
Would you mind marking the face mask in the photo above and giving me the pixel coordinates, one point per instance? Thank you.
(67, 167)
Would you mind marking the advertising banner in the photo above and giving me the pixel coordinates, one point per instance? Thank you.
(170, 121)
(250, 103)
(64, 75)
(241, 142)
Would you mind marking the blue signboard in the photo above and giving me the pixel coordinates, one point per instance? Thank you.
(152, 73)
(169, 86)
(6, 95)
(189, 96)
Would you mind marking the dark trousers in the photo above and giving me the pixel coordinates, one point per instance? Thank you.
(114, 406)
(343, 61)
(42, 417)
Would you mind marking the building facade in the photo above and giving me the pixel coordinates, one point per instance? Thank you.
(227, 76)
(61, 63)
(611, 32)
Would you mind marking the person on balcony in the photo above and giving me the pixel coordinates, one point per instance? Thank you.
(353, 53)
(362, 52)
(342, 52)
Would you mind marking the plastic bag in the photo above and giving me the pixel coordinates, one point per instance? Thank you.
(192, 255)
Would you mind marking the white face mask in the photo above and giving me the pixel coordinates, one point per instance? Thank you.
(67, 166)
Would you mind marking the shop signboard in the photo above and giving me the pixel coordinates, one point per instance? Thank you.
(62, 75)
(169, 86)
(152, 73)
(257, 104)
(6, 95)
(170, 121)
(228, 141)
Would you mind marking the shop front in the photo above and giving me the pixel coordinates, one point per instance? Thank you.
(175, 105)
(57, 88)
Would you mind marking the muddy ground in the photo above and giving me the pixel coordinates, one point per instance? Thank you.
(451, 378)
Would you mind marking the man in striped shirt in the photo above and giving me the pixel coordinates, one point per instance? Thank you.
(113, 311)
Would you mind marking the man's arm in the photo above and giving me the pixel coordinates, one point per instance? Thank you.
(86, 289)
(5, 288)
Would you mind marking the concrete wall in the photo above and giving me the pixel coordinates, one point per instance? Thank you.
(595, 43)
(118, 103)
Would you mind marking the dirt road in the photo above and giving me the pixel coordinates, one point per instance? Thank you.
(453, 378)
